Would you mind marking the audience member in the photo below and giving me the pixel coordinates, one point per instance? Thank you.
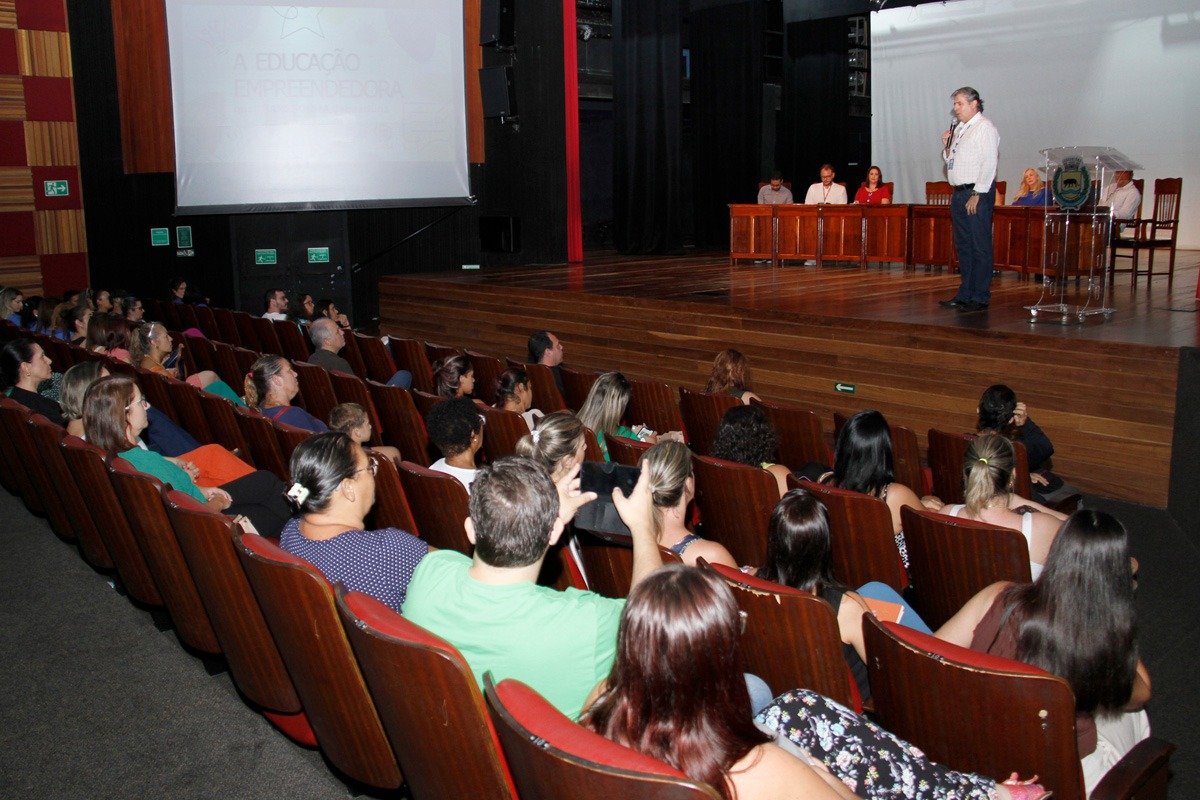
(825, 190)
(747, 436)
(328, 309)
(456, 427)
(178, 290)
(514, 392)
(134, 309)
(545, 348)
(873, 192)
(275, 302)
(774, 192)
(334, 488)
(45, 317)
(604, 407)
(76, 381)
(270, 387)
(988, 473)
(730, 375)
(328, 340)
(558, 444)
(308, 308)
(102, 301)
(672, 486)
(1000, 412)
(12, 302)
(354, 421)
(1122, 196)
(1033, 190)
(1078, 621)
(151, 349)
(23, 367)
(109, 335)
(75, 320)
(454, 377)
(488, 606)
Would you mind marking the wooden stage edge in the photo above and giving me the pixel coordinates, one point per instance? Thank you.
(1103, 391)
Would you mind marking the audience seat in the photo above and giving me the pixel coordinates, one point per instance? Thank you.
(391, 508)
(577, 384)
(297, 603)
(375, 355)
(552, 758)
(189, 406)
(488, 370)
(316, 390)
(225, 364)
(409, 354)
(504, 429)
(185, 313)
(948, 451)
(288, 437)
(440, 352)
(227, 330)
(655, 404)
(222, 419)
(206, 321)
(735, 503)
(546, 396)
(439, 505)
(994, 716)
(951, 559)
(247, 333)
(259, 434)
(626, 451)
(702, 414)
(592, 451)
(351, 354)
(14, 481)
(38, 441)
(799, 430)
(156, 388)
(268, 339)
(424, 401)
(401, 423)
(608, 561)
(429, 704)
(201, 350)
(293, 344)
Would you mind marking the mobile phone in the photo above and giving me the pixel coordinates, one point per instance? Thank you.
(602, 478)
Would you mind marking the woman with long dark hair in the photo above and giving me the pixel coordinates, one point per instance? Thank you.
(1077, 621)
(24, 366)
(454, 377)
(862, 462)
(747, 436)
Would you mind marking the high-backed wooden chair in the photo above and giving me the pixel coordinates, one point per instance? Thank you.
(225, 364)
(201, 350)
(206, 540)
(1157, 233)
(14, 481)
(861, 538)
(441, 352)
(352, 354)
(576, 385)
(221, 418)
(297, 603)
(227, 331)
(206, 321)
(626, 451)
(702, 414)
(439, 505)
(488, 370)
(1127, 226)
(429, 703)
(377, 359)
(409, 354)
(259, 435)
(608, 561)
(39, 441)
(316, 389)
(735, 503)
(799, 432)
(353, 389)
(186, 314)
(504, 429)
(247, 332)
(947, 452)
(402, 426)
(155, 386)
(791, 638)
(293, 344)
(391, 509)
(546, 396)
(141, 497)
(268, 339)
(170, 315)
(906, 461)
(951, 559)
(188, 406)
(424, 401)
(245, 359)
(1001, 192)
(288, 438)
(552, 758)
(937, 193)
(654, 404)
(91, 543)
(981, 713)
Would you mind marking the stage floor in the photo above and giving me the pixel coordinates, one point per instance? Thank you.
(1150, 315)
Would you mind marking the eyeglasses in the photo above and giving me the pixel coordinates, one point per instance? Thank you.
(373, 466)
(142, 401)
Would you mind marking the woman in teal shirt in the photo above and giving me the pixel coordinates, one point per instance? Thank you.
(604, 407)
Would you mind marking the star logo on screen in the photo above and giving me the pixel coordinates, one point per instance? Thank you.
(299, 18)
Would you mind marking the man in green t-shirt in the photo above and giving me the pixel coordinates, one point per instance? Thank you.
(490, 606)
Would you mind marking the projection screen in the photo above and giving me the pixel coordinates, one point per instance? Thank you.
(349, 104)
(1051, 72)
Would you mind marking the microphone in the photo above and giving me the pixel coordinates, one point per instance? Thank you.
(953, 125)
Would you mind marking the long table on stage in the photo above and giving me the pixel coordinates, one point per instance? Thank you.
(907, 234)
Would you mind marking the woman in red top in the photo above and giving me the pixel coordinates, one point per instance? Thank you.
(873, 192)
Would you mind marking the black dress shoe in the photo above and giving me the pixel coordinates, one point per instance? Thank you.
(953, 302)
(972, 306)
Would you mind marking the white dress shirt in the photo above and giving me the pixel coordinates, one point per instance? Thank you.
(819, 193)
(973, 154)
(1124, 201)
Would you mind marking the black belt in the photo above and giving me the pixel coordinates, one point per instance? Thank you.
(962, 187)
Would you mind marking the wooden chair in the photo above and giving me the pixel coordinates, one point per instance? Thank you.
(156, 388)
(607, 560)
(439, 505)
(860, 531)
(247, 333)
(702, 416)
(14, 481)
(187, 405)
(316, 389)
(1001, 192)
(154, 309)
(577, 384)
(186, 314)
(546, 397)
(655, 404)
(297, 603)
(293, 344)
(206, 321)
(245, 359)
(1159, 232)
(626, 451)
(268, 339)
(981, 713)
(735, 503)
(799, 430)
(201, 350)
(402, 426)
(1130, 223)
(206, 540)
(502, 432)
(429, 703)
(440, 352)
(288, 437)
(592, 451)
(409, 354)
(39, 441)
(424, 401)
(488, 370)
(550, 757)
(227, 331)
(222, 420)
(951, 559)
(351, 353)
(906, 461)
(377, 359)
(141, 497)
(792, 638)
(352, 389)
(170, 315)
(947, 451)
(391, 508)
(937, 193)
(259, 435)
(225, 364)
(87, 464)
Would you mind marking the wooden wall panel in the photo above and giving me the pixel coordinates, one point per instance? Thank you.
(23, 271)
(473, 54)
(44, 53)
(8, 13)
(144, 85)
(60, 231)
(16, 189)
(920, 376)
(51, 144)
(12, 97)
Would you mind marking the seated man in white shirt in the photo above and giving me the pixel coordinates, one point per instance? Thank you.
(775, 193)
(276, 303)
(456, 427)
(1122, 196)
(826, 191)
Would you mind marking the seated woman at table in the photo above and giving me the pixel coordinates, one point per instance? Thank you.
(1033, 191)
(873, 192)
(730, 375)
(747, 436)
(270, 388)
(114, 417)
(673, 486)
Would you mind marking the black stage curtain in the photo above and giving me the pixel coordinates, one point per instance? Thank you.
(727, 113)
(647, 125)
(815, 102)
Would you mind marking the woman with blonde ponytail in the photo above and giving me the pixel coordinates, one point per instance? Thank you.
(557, 444)
(673, 486)
(987, 488)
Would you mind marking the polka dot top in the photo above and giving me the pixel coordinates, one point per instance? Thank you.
(377, 563)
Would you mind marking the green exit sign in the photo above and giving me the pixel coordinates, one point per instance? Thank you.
(845, 388)
(160, 237)
(318, 255)
(56, 188)
(265, 257)
(183, 236)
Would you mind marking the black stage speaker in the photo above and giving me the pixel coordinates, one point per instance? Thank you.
(1183, 494)
(496, 23)
(498, 91)
(500, 234)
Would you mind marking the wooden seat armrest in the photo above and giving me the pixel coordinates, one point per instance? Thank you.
(1143, 772)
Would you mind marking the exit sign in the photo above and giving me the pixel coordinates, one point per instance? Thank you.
(160, 237)
(265, 257)
(318, 255)
(56, 188)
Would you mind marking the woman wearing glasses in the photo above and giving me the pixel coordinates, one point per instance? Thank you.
(334, 488)
(114, 417)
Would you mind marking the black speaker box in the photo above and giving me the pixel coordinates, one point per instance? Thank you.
(498, 92)
(500, 234)
(496, 23)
